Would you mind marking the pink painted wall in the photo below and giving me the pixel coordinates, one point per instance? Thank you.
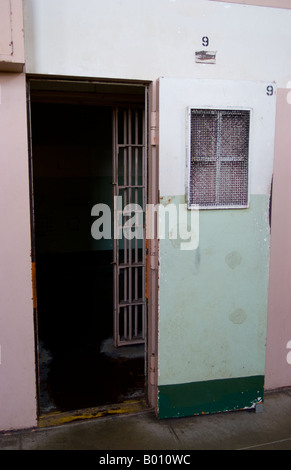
(17, 367)
(278, 370)
(11, 36)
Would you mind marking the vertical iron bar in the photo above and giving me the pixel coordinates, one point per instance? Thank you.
(136, 239)
(136, 177)
(129, 240)
(116, 307)
(144, 228)
(124, 203)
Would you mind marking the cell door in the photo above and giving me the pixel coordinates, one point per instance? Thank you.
(215, 161)
(129, 183)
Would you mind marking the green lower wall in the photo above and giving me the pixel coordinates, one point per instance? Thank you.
(210, 396)
(213, 309)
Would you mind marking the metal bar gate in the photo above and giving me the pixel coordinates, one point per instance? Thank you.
(129, 191)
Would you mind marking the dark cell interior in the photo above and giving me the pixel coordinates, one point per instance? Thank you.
(72, 171)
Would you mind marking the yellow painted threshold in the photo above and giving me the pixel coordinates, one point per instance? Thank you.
(59, 417)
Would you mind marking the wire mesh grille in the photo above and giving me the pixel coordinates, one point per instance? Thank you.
(219, 158)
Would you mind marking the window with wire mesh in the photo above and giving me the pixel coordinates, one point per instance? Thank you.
(219, 149)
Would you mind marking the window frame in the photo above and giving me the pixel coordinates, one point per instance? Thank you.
(191, 206)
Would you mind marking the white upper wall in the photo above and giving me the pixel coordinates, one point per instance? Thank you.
(176, 95)
(147, 39)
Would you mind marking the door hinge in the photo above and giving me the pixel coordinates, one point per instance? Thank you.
(154, 254)
(152, 369)
(154, 134)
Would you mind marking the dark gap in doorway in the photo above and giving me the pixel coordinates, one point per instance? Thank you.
(72, 171)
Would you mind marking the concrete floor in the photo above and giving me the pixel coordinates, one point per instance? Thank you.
(242, 430)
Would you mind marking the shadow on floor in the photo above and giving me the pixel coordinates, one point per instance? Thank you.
(78, 365)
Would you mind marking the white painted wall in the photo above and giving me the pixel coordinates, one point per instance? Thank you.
(147, 39)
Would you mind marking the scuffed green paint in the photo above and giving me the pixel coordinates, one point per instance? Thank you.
(213, 300)
(210, 396)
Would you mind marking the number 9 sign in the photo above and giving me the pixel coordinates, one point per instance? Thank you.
(205, 41)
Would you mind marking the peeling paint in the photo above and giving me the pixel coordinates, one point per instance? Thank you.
(205, 57)
(223, 395)
(58, 418)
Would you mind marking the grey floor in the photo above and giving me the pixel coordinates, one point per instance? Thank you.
(242, 430)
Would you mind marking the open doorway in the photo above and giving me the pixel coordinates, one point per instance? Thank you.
(72, 147)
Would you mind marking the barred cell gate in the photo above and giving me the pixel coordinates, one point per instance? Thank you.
(129, 191)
